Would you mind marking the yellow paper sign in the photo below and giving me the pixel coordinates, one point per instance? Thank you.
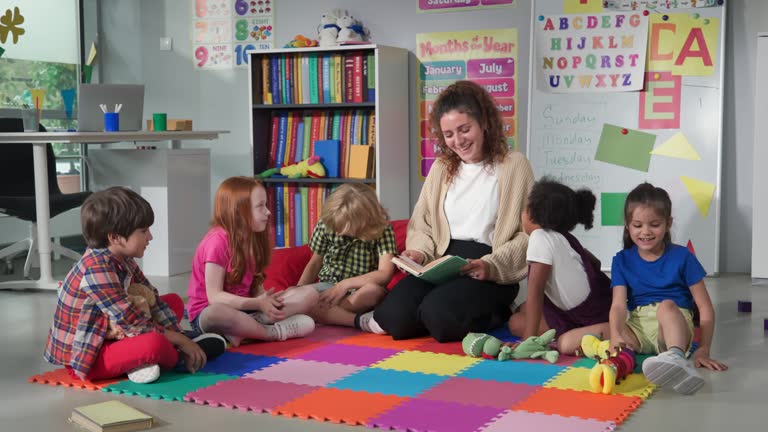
(701, 192)
(696, 44)
(677, 147)
(582, 6)
(38, 97)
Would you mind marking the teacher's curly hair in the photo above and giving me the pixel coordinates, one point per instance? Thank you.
(470, 98)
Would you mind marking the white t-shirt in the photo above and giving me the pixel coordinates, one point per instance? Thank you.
(472, 202)
(568, 285)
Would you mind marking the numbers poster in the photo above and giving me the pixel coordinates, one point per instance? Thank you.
(224, 30)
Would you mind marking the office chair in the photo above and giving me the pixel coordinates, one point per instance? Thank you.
(17, 195)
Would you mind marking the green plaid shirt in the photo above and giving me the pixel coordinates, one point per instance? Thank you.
(345, 257)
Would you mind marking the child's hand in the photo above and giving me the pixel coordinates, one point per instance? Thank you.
(414, 255)
(271, 303)
(701, 358)
(193, 356)
(476, 269)
(335, 295)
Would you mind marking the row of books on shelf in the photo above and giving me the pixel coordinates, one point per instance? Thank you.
(318, 78)
(295, 211)
(344, 139)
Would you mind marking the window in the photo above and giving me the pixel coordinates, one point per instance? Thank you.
(45, 57)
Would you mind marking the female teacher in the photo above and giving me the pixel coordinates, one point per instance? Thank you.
(470, 205)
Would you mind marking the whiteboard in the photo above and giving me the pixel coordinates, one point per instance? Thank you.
(564, 131)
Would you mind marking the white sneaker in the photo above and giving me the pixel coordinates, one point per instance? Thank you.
(144, 374)
(294, 327)
(669, 369)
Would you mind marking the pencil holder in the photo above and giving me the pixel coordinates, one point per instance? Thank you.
(111, 122)
(159, 121)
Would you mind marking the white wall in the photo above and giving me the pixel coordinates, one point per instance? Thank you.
(218, 100)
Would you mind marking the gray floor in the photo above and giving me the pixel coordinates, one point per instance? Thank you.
(731, 400)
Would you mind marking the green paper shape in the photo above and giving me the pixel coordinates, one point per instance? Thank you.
(612, 208)
(87, 73)
(1, 51)
(170, 386)
(631, 150)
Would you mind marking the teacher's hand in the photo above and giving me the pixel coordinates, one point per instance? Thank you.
(476, 269)
(414, 255)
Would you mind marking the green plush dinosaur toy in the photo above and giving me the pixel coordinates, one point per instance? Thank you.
(487, 346)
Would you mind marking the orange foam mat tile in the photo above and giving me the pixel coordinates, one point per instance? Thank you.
(382, 341)
(61, 377)
(581, 404)
(340, 406)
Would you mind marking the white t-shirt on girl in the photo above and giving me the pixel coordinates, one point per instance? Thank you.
(568, 285)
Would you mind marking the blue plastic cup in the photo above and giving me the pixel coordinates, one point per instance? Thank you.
(111, 122)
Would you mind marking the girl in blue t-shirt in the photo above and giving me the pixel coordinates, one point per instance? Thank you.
(659, 282)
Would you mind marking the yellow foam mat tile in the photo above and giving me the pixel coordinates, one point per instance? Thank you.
(430, 363)
(578, 379)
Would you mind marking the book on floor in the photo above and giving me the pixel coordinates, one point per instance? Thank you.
(111, 416)
(438, 271)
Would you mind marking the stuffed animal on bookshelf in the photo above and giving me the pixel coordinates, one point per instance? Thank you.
(328, 31)
(301, 41)
(307, 168)
(351, 30)
(489, 347)
(140, 296)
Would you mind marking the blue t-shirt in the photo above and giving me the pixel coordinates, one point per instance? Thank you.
(669, 277)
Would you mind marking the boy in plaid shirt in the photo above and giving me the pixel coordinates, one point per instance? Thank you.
(115, 224)
(353, 245)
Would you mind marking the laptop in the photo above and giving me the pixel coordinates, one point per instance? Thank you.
(90, 97)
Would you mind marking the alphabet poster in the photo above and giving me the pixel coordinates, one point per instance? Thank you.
(591, 53)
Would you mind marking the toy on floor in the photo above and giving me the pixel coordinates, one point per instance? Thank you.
(593, 347)
(489, 347)
(307, 168)
(301, 41)
(608, 372)
(140, 296)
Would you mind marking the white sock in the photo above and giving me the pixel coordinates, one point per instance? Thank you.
(367, 323)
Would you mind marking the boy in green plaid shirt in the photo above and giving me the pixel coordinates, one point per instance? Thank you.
(353, 245)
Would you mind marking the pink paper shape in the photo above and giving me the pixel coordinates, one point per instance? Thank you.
(304, 372)
(436, 416)
(249, 394)
(479, 392)
(522, 420)
(348, 354)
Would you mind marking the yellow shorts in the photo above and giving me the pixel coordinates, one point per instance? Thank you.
(643, 323)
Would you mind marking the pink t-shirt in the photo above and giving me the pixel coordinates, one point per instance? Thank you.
(213, 248)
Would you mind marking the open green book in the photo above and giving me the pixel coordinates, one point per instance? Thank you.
(112, 416)
(438, 271)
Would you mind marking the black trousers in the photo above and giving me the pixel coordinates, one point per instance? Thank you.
(450, 310)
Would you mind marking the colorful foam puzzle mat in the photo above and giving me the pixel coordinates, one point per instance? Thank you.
(341, 375)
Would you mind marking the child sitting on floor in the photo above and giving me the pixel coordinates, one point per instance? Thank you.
(352, 245)
(115, 224)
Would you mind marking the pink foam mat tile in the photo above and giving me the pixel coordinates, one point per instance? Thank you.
(419, 415)
(526, 421)
(496, 394)
(249, 394)
(307, 372)
(348, 354)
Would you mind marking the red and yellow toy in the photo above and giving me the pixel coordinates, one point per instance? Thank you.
(608, 372)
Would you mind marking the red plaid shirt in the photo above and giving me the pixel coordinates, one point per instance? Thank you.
(92, 294)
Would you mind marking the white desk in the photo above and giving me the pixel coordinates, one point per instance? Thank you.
(39, 140)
